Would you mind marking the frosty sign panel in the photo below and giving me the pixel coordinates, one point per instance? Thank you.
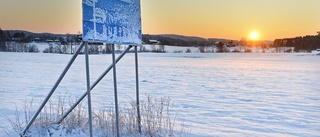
(112, 21)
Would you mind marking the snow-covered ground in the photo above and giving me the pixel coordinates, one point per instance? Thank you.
(42, 46)
(248, 94)
(168, 49)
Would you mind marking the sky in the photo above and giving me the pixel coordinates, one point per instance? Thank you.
(231, 19)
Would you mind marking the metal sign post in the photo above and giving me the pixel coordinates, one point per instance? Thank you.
(88, 89)
(104, 21)
(52, 90)
(115, 89)
(137, 89)
(92, 86)
(114, 22)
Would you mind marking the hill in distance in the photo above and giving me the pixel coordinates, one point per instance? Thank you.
(195, 38)
(155, 36)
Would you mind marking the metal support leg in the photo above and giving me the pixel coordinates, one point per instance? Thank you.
(115, 89)
(88, 88)
(52, 90)
(137, 89)
(93, 85)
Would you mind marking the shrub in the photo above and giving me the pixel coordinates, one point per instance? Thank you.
(157, 119)
(188, 50)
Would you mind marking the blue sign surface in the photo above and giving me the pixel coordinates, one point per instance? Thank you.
(112, 21)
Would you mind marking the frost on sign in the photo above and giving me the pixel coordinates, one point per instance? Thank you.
(112, 21)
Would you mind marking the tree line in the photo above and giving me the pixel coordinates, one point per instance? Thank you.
(305, 43)
(165, 40)
(19, 41)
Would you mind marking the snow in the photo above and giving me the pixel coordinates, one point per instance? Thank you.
(246, 94)
(112, 21)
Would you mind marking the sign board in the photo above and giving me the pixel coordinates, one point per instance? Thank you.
(112, 21)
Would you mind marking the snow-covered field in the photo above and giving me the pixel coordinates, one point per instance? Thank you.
(214, 94)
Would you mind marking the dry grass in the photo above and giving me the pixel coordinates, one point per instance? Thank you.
(157, 119)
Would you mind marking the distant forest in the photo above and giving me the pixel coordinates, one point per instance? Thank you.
(26, 37)
(305, 43)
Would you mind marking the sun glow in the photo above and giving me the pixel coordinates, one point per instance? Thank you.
(254, 35)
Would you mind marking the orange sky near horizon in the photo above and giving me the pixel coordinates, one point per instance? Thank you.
(231, 19)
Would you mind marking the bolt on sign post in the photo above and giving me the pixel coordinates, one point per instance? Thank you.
(104, 21)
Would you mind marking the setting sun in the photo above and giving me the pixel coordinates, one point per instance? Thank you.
(254, 35)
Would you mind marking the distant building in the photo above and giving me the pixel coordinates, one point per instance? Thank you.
(151, 41)
(37, 39)
(49, 40)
